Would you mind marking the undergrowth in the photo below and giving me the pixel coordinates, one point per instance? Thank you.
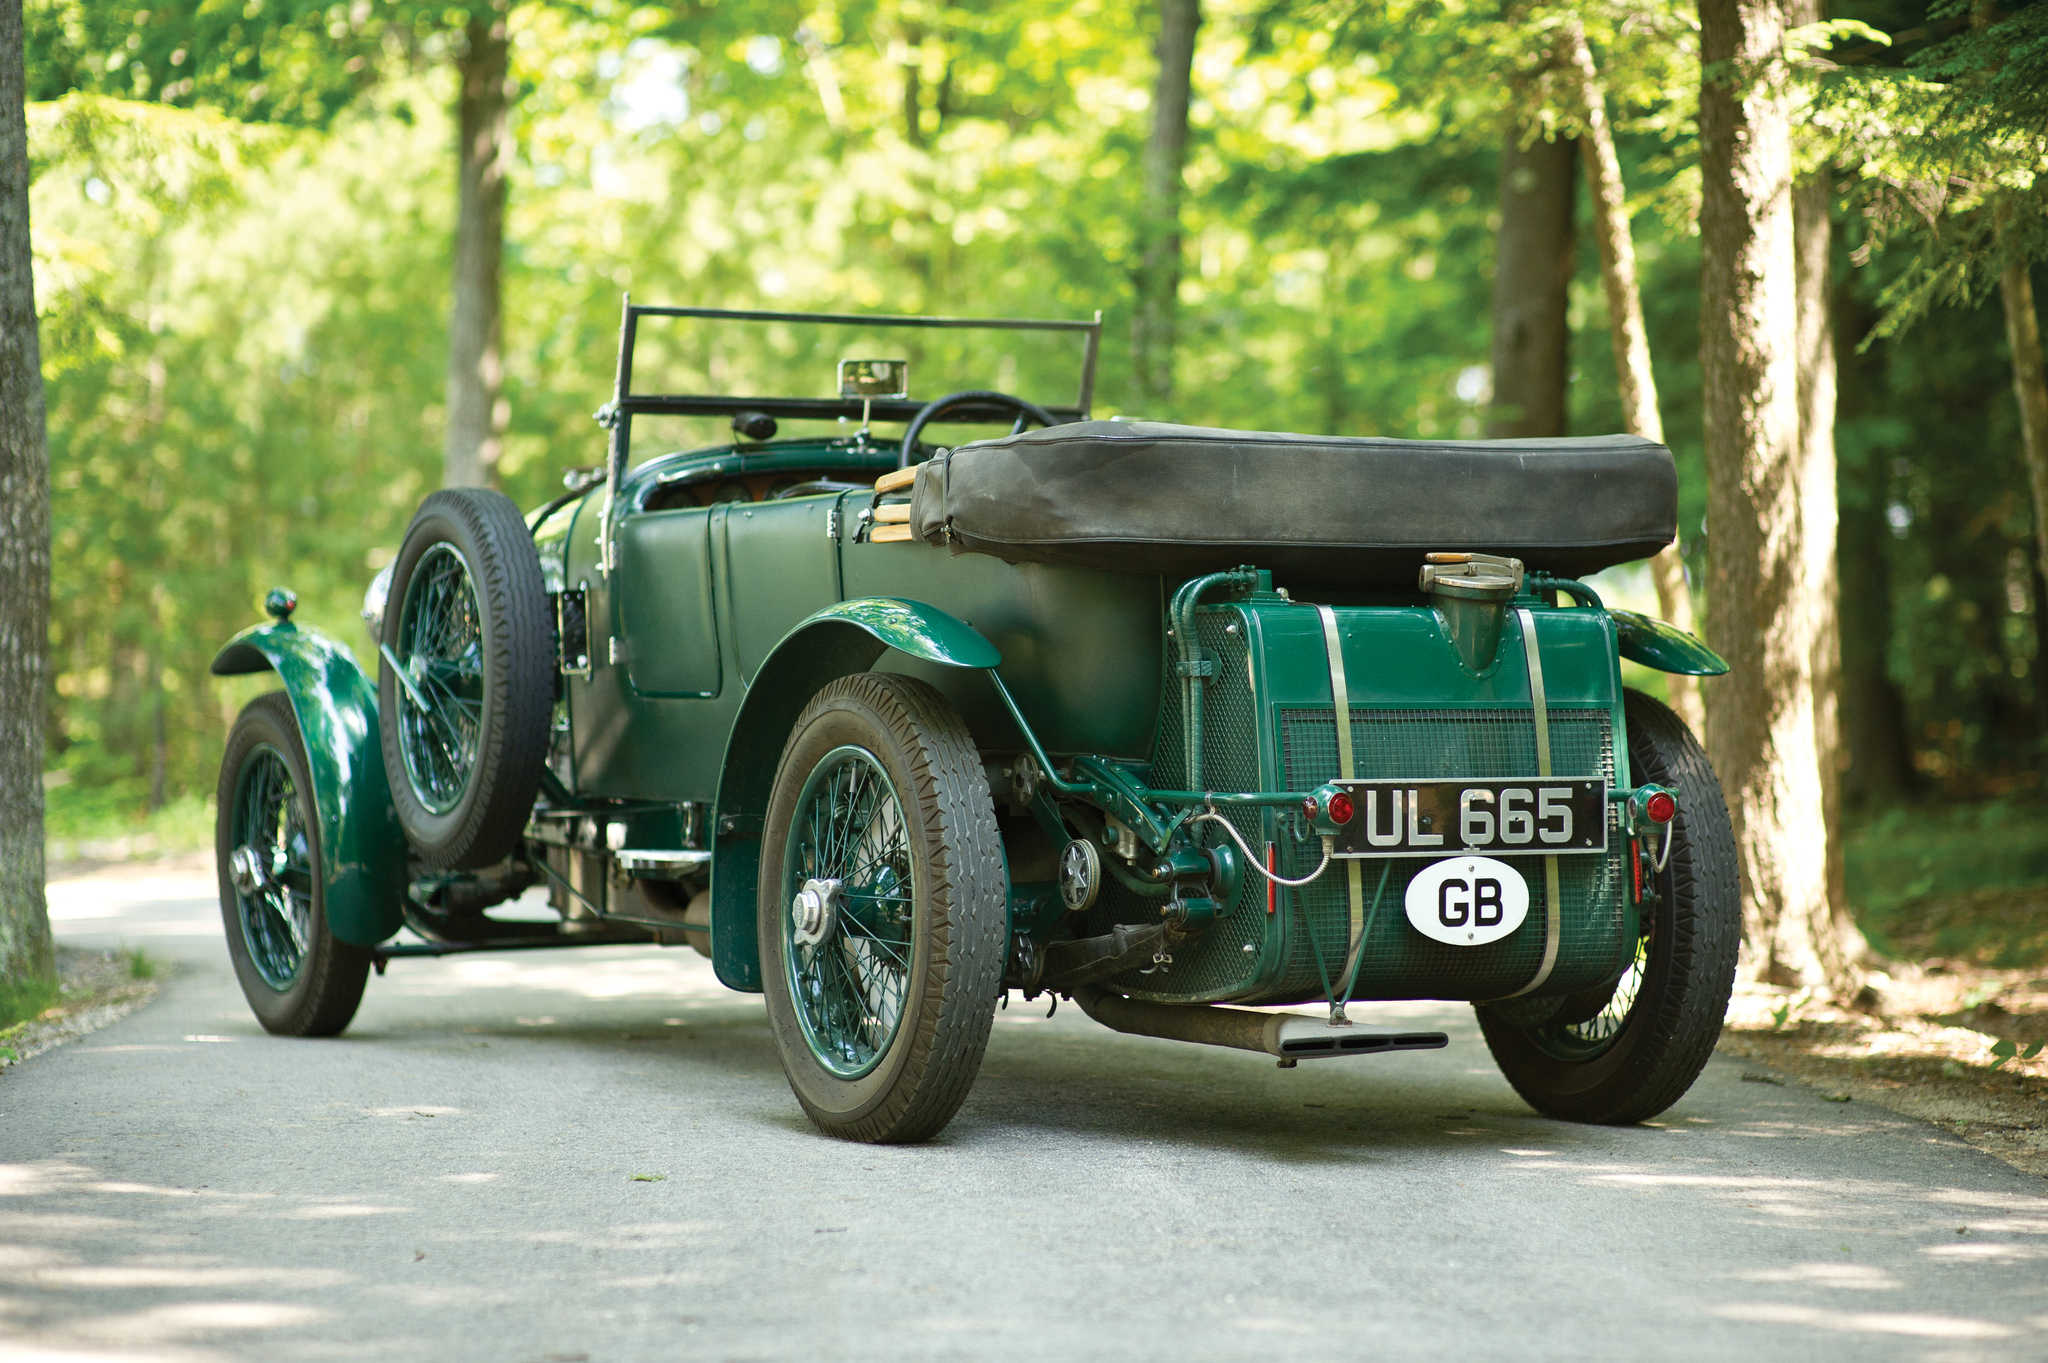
(1966, 881)
(24, 1001)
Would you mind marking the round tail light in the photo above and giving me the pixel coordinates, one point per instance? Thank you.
(1661, 807)
(1340, 809)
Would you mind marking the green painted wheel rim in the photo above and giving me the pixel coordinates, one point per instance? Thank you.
(1581, 1041)
(851, 988)
(270, 822)
(441, 649)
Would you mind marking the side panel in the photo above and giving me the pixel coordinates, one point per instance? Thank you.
(780, 569)
(1081, 649)
(665, 603)
(362, 847)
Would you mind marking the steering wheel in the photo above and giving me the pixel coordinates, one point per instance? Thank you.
(973, 397)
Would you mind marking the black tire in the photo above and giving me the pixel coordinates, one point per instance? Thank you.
(957, 920)
(319, 993)
(1637, 1057)
(463, 802)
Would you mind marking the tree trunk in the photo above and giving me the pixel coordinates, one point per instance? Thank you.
(1762, 604)
(1813, 234)
(477, 413)
(25, 947)
(1532, 274)
(1632, 373)
(2030, 385)
(1158, 281)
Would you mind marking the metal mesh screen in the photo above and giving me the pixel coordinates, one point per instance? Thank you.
(1397, 961)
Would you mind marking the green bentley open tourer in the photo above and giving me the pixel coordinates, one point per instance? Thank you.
(1179, 723)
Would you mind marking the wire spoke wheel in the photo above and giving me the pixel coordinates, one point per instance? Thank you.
(467, 683)
(440, 648)
(850, 985)
(299, 978)
(1628, 1053)
(273, 859)
(880, 909)
(1585, 1040)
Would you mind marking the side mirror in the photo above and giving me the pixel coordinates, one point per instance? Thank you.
(870, 379)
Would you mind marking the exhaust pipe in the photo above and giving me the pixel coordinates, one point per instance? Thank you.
(1289, 1037)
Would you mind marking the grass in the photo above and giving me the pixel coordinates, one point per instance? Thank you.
(85, 823)
(1966, 881)
(24, 1001)
(141, 965)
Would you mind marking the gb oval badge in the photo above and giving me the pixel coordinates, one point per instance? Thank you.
(1467, 901)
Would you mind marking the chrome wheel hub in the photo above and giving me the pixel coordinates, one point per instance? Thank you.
(814, 913)
(250, 870)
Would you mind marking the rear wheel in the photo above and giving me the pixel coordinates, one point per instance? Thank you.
(881, 912)
(300, 979)
(1625, 1054)
(467, 678)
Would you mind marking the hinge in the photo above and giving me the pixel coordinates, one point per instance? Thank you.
(1205, 668)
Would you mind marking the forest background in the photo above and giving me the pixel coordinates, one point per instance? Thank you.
(243, 287)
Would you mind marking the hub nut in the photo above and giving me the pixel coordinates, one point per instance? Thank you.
(250, 870)
(814, 913)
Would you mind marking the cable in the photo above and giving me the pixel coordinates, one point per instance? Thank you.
(1329, 846)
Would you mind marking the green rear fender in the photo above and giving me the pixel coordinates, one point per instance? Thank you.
(836, 642)
(1666, 648)
(362, 847)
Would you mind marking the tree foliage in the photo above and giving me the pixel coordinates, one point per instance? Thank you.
(244, 320)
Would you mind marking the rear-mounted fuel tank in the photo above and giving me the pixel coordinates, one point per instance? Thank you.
(1418, 712)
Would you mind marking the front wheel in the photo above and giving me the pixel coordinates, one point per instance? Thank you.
(881, 911)
(1627, 1057)
(299, 978)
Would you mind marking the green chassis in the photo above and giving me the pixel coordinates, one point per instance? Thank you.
(713, 624)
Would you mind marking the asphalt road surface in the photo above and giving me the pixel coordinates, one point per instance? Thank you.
(593, 1155)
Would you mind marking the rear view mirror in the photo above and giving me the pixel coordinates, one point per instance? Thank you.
(871, 379)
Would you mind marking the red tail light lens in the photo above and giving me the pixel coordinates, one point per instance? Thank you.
(1661, 807)
(1340, 809)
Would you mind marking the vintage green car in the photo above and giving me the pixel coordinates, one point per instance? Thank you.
(1155, 718)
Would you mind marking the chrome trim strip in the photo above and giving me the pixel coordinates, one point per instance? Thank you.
(1540, 707)
(1340, 697)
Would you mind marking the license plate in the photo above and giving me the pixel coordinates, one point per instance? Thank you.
(1440, 818)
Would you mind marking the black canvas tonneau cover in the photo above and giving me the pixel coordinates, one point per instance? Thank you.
(1144, 496)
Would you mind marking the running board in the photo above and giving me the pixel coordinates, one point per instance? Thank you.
(1287, 1036)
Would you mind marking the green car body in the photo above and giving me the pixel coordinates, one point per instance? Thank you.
(1180, 816)
(718, 623)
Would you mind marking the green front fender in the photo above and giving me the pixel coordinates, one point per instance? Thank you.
(362, 847)
(1666, 648)
(836, 642)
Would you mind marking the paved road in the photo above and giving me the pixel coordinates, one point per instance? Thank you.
(455, 1179)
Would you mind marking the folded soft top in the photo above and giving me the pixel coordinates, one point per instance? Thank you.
(1148, 497)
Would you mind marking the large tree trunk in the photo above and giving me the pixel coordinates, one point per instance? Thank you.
(2030, 385)
(1533, 262)
(476, 411)
(1632, 373)
(1762, 606)
(25, 948)
(1158, 281)
(1814, 238)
